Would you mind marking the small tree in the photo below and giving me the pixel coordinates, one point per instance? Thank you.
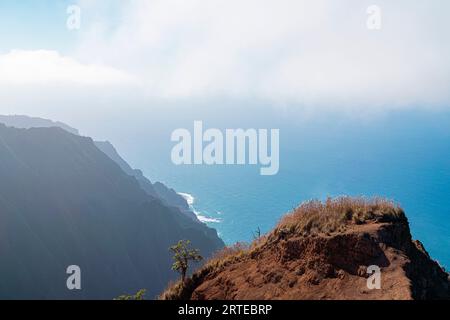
(182, 254)
(257, 234)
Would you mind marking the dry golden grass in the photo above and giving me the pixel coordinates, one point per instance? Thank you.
(234, 250)
(333, 215)
(175, 290)
(310, 218)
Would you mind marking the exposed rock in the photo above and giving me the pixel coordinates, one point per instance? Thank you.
(295, 261)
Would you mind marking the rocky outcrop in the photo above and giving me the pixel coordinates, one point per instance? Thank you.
(295, 261)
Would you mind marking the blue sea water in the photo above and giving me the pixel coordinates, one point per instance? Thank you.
(404, 156)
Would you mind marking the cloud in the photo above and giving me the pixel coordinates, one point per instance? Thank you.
(44, 68)
(311, 53)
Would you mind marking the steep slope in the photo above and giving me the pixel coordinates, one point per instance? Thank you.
(64, 202)
(157, 189)
(323, 251)
(26, 122)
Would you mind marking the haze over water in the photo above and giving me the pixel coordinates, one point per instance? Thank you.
(401, 156)
(361, 111)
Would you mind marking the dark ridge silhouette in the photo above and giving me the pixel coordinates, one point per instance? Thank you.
(64, 202)
(158, 189)
(26, 122)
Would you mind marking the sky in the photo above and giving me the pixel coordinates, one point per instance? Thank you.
(138, 69)
(316, 57)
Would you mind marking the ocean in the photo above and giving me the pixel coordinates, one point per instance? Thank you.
(403, 156)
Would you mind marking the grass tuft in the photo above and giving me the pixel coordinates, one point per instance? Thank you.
(334, 215)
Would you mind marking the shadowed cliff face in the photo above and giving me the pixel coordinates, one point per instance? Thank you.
(64, 202)
(323, 251)
(158, 190)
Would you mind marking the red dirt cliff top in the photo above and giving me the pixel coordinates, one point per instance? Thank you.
(322, 250)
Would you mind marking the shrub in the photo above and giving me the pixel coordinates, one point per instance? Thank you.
(140, 295)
